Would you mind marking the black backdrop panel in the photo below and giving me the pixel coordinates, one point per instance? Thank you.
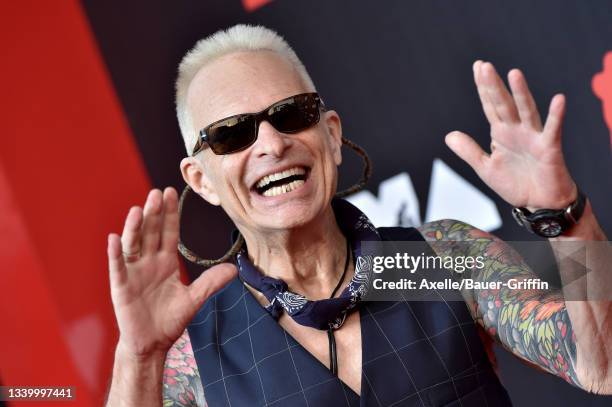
(399, 73)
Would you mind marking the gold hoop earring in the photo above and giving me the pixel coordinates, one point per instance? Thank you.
(237, 246)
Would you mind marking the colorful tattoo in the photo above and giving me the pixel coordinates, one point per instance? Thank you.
(532, 324)
(182, 384)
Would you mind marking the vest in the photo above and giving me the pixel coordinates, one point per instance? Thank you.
(414, 353)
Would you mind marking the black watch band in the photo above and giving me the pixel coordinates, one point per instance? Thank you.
(551, 222)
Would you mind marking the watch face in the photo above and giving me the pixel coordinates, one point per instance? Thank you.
(547, 227)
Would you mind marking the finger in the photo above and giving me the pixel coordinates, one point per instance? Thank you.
(170, 227)
(211, 281)
(487, 105)
(116, 264)
(151, 226)
(527, 108)
(468, 150)
(131, 235)
(554, 121)
(498, 94)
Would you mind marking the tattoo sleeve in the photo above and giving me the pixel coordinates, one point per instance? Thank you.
(182, 386)
(532, 324)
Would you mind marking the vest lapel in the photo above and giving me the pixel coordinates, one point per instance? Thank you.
(320, 386)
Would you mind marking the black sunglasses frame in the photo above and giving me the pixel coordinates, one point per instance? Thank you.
(258, 118)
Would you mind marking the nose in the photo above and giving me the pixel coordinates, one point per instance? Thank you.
(270, 141)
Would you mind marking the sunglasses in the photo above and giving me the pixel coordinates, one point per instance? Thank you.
(235, 133)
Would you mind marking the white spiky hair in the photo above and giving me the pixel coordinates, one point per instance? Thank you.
(238, 38)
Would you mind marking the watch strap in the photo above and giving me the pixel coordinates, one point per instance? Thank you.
(569, 216)
(574, 212)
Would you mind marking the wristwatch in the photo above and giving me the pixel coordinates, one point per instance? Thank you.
(551, 222)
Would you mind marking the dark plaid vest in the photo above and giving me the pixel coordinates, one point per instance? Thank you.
(413, 354)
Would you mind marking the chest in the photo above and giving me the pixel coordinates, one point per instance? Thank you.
(420, 353)
(348, 346)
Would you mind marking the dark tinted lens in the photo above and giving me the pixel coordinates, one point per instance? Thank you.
(232, 134)
(297, 114)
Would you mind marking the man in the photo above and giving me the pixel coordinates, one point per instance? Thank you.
(275, 174)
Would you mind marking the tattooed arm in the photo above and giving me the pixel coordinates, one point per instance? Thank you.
(533, 324)
(182, 386)
(526, 168)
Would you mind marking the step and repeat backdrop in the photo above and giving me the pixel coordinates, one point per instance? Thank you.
(89, 126)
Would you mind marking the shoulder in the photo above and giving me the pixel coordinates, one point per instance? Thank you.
(182, 386)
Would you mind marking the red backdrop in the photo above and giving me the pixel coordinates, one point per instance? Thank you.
(63, 189)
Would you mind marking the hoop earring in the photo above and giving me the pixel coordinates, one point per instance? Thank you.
(237, 246)
(194, 258)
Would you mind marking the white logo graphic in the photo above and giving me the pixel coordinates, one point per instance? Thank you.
(450, 197)
(396, 205)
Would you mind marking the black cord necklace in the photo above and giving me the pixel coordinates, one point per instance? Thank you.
(333, 355)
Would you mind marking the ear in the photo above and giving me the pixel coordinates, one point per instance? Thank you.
(196, 176)
(334, 129)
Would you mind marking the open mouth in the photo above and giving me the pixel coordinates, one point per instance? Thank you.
(282, 182)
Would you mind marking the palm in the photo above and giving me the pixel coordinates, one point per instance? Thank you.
(152, 305)
(525, 166)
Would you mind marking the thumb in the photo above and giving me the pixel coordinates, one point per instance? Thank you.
(211, 281)
(467, 149)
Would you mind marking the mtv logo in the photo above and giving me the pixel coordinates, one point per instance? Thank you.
(450, 197)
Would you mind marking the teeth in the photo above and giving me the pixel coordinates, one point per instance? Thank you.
(283, 189)
(279, 175)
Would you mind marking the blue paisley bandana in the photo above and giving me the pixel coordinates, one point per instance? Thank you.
(327, 313)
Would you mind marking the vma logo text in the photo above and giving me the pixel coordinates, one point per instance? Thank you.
(450, 197)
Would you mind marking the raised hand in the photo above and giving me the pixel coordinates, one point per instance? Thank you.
(151, 304)
(525, 166)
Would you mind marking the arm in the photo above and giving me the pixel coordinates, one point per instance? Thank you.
(182, 386)
(526, 167)
(153, 382)
(532, 324)
(136, 380)
(590, 310)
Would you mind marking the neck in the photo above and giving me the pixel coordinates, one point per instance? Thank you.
(310, 259)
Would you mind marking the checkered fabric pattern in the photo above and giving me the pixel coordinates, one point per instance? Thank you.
(413, 354)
